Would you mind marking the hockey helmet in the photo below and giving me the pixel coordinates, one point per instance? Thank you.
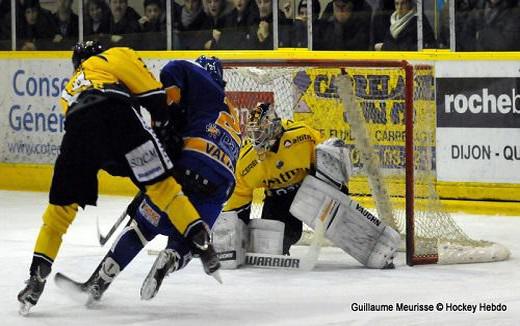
(84, 50)
(263, 127)
(214, 66)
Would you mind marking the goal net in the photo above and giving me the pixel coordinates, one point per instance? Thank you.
(385, 112)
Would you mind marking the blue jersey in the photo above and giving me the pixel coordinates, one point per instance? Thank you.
(211, 130)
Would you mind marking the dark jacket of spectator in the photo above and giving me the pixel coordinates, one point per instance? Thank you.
(349, 34)
(299, 31)
(127, 25)
(124, 25)
(381, 20)
(498, 26)
(284, 33)
(235, 34)
(68, 28)
(465, 27)
(5, 25)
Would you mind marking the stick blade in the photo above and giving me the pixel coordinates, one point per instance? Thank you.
(74, 290)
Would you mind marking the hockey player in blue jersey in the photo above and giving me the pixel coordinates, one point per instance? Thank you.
(203, 138)
(211, 139)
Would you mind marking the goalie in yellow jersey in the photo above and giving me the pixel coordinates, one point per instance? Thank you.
(277, 155)
(104, 130)
(305, 179)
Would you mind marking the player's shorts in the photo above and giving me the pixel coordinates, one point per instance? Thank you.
(207, 200)
(105, 133)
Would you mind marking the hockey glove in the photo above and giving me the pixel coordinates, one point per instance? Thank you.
(170, 139)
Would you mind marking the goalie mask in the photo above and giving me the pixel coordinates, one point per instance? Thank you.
(263, 128)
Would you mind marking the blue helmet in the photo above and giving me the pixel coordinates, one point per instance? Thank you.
(214, 66)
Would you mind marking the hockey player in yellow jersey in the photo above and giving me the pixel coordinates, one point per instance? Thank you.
(104, 130)
(277, 156)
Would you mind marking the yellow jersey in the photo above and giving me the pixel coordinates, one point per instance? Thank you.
(119, 72)
(283, 167)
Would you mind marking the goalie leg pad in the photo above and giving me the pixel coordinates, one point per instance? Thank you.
(351, 227)
(230, 237)
(266, 236)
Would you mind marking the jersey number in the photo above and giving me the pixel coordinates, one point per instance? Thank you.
(230, 124)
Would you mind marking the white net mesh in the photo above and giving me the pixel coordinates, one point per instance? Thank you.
(310, 92)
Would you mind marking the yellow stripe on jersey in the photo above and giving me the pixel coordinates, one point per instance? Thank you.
(115, 66)
(56, 221)
(209, 149)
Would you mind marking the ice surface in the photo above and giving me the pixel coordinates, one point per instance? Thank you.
(250, 296)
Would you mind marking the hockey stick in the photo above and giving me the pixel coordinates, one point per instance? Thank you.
(104, 238)
(327, 213)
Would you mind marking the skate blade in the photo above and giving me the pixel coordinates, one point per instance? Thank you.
(149, 289)
(25, 307)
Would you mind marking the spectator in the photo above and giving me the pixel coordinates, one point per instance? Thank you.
(381, 20)
(348, 30)
(300, 22)
(465, 25)
(5, 25)
(237, 24)
(214, 23)
(261, 33)
(187, 26)
(498, 26)
(67, 23)
(123, 23)
(287, 9)
(97, 19)
(153, 26)
(402, 34)
(37, 30)
(153, 19)
(361, 9)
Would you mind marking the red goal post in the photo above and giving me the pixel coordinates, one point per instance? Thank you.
(395, 166)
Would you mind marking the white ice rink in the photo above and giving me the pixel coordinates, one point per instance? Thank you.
(252, 296)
